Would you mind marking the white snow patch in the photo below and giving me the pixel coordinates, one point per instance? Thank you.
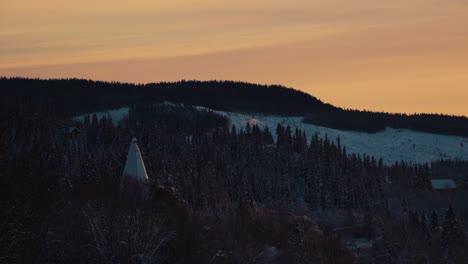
(391, 144)
(116, 114)
(439, 184)
(358, 243)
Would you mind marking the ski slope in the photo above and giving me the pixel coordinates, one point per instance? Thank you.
(115, 114)
(391, 145)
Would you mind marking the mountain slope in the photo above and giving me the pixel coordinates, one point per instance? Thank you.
(73, 96)
(391, 145)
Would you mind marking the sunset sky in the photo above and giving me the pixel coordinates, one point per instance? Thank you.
(396, 56)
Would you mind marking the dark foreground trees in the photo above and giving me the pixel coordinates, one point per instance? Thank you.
(218, 193)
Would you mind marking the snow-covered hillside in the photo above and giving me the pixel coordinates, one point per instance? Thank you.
(116, 114)
(391, 145)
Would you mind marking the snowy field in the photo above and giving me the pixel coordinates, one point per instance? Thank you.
(116, 114)
(391, 145)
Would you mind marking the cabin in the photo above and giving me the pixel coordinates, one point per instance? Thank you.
(359, 245)
(71, 132)
(443, 184)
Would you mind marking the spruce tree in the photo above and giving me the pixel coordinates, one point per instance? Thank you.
(451, 228)
(413, 218)
(435, 222)
(423, 223)
(425, 227)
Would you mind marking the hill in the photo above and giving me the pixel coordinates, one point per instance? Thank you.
(217, 193)
(75, 96)
(392, 145)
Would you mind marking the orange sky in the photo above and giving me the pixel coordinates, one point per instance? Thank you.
(396, 56)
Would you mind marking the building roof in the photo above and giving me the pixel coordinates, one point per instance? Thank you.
(440, 184)
(134, 166)
(70, 130)
(357, 243)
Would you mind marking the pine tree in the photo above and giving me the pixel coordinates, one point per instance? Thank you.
(248, 129)
(279, 134)
(423, 224)
(435, 222)
(451, 228)
(423, 220)
(413, 218)
(266, 136)
(288, 138)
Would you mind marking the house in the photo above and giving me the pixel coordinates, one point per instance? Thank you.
(71, 132)
(443, 184)
(359, 246)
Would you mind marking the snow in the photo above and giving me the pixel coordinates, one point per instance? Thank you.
(270, 252)
(358, 243)
(134, 166)
(439, 184)
(391, 144)
(69, 130)
(116, 114)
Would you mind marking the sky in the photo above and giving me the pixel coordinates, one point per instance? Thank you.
(393, 56)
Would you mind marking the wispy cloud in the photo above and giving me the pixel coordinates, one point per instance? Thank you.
(361, 53)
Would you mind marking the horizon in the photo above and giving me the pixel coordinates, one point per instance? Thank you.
(235, 81)
(394, 57)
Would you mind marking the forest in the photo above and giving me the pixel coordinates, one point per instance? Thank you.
(217, 193)
(82, 96)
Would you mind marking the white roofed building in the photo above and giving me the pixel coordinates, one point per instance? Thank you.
(443, 184)
(134, 166)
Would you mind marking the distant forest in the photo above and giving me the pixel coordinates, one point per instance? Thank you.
(75, 96)
(216, 193)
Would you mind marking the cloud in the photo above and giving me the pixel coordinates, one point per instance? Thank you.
(361, 54)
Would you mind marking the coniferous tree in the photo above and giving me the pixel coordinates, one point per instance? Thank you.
(435, 222)
(413, 218)
(424, 225)
(451, 231)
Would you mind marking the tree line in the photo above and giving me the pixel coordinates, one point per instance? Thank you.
(76, 96)
(217, 191)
